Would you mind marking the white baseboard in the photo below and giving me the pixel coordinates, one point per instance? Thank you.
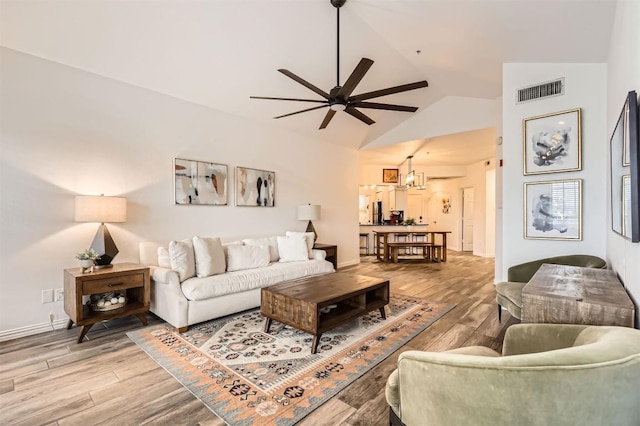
(30, 330)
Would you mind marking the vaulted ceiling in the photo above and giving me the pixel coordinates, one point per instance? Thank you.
(217, 53)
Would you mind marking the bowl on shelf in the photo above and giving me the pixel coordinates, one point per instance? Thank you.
(107, 301)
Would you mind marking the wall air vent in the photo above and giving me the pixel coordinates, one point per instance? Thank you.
(539, 91)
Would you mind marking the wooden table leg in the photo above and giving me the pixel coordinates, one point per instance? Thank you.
(143, 318)
(376, 238)
(69, 324)
(444, 247)
(267, 324)
(314, 345)
(383, 314)
(394, 254)
(386, 247)
(83, 332)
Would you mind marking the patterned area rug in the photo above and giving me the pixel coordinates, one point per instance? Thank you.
(248, 377)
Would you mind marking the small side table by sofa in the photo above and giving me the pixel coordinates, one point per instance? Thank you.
(129, 278)
(331, 250)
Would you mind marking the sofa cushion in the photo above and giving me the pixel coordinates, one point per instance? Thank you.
(249, 279)
(293, 249)
(241, 257)
(163, 257)
(272, 242)
(182, 259)
(210, 259)
(310, 237)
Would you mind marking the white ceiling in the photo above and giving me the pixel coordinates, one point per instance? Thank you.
(219, 52)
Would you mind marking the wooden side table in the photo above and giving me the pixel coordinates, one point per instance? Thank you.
(331, 250)
(129, 278)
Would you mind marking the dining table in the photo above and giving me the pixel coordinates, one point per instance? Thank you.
(381, 240)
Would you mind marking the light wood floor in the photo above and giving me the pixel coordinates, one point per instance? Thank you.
(48, 379)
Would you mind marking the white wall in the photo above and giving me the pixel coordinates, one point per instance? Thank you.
(66, 132)
(585, 88)
(623, 75)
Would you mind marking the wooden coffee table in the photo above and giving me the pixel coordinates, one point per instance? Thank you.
(300, 303)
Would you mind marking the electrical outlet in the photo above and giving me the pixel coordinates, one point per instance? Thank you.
(59, 294)
(47, 296)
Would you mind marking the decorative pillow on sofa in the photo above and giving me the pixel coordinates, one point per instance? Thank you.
(163, 257)
(293, 249)
(182, 259)
(309, 236)
(210, 259)
(272, 242)
(241, 257)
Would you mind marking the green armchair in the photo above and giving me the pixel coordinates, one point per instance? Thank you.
(509, 294)
(547, 374)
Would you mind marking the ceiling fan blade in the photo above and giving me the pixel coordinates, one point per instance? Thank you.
(304, 83)
(304, 110)
(327, 119)
(389, 107)
(389, 91)
(360, 116)
(288, 99)
(355, 78)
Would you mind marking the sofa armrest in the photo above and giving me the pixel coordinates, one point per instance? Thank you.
(164, 276)
(532, 338)
(318, 254)
(392, 391)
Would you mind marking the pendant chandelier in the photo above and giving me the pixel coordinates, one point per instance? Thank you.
(412, 179)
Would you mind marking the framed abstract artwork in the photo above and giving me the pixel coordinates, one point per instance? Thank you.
(199, 183)
(255, 188)
(552, 143)
(624, 168)
(553, 210)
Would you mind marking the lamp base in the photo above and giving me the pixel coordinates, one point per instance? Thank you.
(106, 248)
(103, 266)
(310, 228)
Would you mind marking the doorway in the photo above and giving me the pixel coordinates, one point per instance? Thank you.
(467, 218)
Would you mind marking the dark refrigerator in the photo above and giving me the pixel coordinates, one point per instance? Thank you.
(377, 213)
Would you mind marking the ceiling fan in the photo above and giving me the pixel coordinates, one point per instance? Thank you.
(339, 98)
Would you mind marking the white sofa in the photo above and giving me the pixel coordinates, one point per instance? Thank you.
(197, 299)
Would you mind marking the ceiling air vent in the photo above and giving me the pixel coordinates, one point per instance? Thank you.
(539, 91)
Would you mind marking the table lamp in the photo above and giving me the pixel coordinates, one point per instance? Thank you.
(101, 209)
(309, 212)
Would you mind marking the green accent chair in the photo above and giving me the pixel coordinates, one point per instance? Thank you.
(547, 374)
(509, 294)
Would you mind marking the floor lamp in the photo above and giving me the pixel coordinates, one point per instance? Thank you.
(310, 212)
(101, 209)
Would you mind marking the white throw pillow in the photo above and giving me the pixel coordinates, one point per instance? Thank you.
(293, 249)
(210, 259)
(272, 242)
(309, 237)
(163, 257)
(182, 259)
(241, 257)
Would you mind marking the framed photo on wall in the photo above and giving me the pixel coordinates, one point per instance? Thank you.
(390, 175)
(552, 143)
(199, 183)
(553, 210)
(255, 188)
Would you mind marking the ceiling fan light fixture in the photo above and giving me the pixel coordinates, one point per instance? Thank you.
(338, 106)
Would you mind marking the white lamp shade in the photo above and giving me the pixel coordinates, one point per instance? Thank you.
(90, 208)
(309, 212)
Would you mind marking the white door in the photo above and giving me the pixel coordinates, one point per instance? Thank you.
(467, 219)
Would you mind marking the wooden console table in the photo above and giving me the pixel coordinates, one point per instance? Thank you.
(561, 294)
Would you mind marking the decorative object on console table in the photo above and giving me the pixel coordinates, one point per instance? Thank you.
(128, 280)
(310, 212)
(552, 142)
(102, 209)
(553, 210)
(199, 182)
(255, 187)
(331, 250)
(86, 258)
